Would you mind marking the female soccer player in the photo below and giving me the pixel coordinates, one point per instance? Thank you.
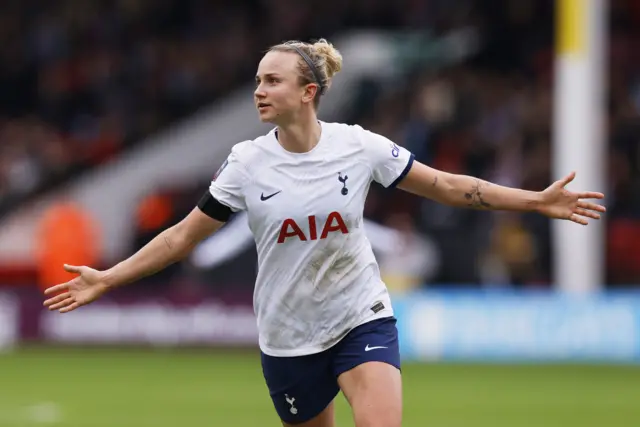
(324, 316)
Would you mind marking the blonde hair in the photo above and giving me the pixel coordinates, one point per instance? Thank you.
(321, 63)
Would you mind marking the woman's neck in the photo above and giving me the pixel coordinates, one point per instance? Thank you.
(301, 136)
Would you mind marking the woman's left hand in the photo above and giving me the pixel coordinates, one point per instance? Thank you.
(559, 203)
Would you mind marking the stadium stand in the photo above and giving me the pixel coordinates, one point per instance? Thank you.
(76, 96)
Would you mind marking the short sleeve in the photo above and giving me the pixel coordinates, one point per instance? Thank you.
(389, 162)
(229, 182)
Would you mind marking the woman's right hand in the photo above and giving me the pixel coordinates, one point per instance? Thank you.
(82, 290)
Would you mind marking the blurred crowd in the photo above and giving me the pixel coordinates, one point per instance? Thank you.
(480, 121)
(82, 81)
(491, 117)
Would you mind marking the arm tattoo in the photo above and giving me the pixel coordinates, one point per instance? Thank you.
(435, 181)
(474, 197)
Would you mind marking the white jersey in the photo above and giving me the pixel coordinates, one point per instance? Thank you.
(317, 275)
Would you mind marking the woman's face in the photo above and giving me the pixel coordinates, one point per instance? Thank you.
(278, 95)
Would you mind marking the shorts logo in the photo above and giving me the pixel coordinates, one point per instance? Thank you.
(367, 348)
(290, 401)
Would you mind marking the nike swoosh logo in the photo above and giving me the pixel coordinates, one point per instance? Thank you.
(263, 197)
(367, 348)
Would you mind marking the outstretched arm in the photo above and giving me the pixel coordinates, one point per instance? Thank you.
(168, 247)
(224, 197)
(470, 192)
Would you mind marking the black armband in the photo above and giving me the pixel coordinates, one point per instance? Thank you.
(213, 208)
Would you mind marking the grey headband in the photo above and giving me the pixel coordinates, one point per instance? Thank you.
(313, 69)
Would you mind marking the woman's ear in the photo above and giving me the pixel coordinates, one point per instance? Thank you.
(310, 92)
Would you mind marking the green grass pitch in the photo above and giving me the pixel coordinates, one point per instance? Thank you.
(65, 387)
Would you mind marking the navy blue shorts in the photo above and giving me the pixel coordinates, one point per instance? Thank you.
(301, 387)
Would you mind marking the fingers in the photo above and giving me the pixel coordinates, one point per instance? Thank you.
(580, 215)
(583, 211)
(591, 206)
(567, 179)
(56, 299)
(72, 268)
(590, 195)
(583, 195)
(63, 286)
(64, 303)
(578, 219)
(57, 288)
(63, 300)
(70, 307)
(588, 214)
